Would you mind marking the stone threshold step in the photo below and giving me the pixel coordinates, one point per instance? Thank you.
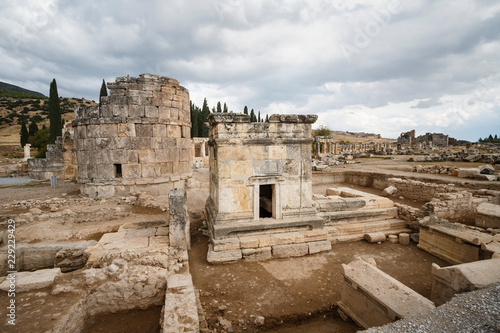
(360, 215)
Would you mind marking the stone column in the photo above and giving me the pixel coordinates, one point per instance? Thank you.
(179, 219)
(27, 151)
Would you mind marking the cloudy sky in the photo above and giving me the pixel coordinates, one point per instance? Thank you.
(362, 65)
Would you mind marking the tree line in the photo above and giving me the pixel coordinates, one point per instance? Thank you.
(492, 139)
(199, 117)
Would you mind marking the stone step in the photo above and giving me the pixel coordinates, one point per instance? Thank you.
(346, 228)
(332, 218)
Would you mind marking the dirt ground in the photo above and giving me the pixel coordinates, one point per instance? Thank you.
(293, 295)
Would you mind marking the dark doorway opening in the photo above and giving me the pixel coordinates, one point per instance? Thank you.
(266, 201)
(118, 171)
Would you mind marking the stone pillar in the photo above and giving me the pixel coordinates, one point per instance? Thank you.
(179, 219)
(27, 151)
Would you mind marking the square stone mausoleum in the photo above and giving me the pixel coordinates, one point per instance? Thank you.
(260, 175)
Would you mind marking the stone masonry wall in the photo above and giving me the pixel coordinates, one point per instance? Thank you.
(138, 139)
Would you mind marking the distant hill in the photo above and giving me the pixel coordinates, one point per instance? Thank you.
(10, 90)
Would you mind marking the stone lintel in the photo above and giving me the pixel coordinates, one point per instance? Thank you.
(293, 118)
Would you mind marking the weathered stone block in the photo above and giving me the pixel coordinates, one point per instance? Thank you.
(290, 250)
(144, 130)
(147, 156)
(136, 111)
(173, 131)
(259, 254)
(320, 246)
(226, 244)
(248, 242)
(150, 170)
(151, 111)
(159, 130)
(223, 256)
(126, 130)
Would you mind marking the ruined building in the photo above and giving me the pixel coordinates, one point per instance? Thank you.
(260, 178)
(428, 140)
(137, 139)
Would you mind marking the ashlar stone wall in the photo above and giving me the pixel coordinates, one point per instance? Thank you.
(137, 139)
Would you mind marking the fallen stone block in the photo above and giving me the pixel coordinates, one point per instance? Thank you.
(290, 250)
(247, 242)
(26, 281)
(390, 190)
(373, 298)
(467, 173)
(404, 238)
(393, 239)
(451, 280)
(223, 256)
(487, 215)
(375, 237)
(320, 246)
(486, 170)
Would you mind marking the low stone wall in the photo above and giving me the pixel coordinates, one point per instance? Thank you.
(451, 280)
(418, 190)
(373, 298)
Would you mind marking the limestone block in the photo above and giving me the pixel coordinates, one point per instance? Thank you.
(131, 171)
(140, 143)
(147, 156)
(166, 168)
(375, 237)
(373, 298)
(488, 215)
(159, 130)
(106, 171)
(467, 173)
(448, 281)
(390, 190)
(180, 313)
(259, 254)
(226, 244)
(320, 246)
(118, 156)
(404, 238)
(120, 143)
(393, 239)
(290, 250)
(165, 188)
(26, 281)
(315, 235)
(277, 152)
(161, 155)
(151, 111)
(150, 170)
(132, 156)
(186, 131)
(288, 238)
(241, 169)
(174, 111)
(248, 242)
(144, 130)
(223, 256)
(173, 131)
(136, 111)
(185, 155)
(126, 130)
(179, 219)
(164, 112)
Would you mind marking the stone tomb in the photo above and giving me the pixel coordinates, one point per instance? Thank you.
(138, 139)
(260, 202)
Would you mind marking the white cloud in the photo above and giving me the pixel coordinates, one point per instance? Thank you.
(431, 66)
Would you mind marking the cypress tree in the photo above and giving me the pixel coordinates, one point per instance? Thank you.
(219, 108)
(33, 128)
(225, 108)
(253, 119)
(245, 110)
(267, 118)
(54, 113)
(24, 133)
(194, 120)
(258, 118)
(205, 111)
(103, 92)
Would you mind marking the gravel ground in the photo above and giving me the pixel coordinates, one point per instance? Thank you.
(476, 311)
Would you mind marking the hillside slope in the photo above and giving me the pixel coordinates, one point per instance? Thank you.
(7, 88)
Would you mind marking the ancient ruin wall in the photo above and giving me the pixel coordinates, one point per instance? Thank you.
(138, 139)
